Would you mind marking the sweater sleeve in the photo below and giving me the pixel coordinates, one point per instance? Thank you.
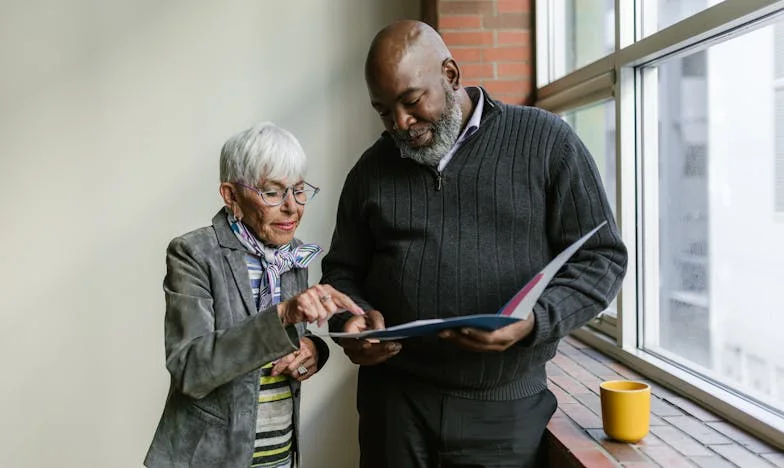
(346, 264)
(590, 280)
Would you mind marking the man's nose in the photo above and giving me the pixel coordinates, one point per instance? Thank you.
(403, 120)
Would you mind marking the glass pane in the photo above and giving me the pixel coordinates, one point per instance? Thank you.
(659, 14)
(582, 31)
(595, 125)
(715, 304)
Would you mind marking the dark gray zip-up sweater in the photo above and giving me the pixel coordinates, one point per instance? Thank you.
(417, 244)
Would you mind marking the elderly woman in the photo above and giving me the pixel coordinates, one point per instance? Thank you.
(237, 300)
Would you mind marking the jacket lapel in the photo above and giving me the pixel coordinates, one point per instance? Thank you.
(239, 269)
(234, 253)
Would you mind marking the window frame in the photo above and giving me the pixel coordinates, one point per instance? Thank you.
(622, 75)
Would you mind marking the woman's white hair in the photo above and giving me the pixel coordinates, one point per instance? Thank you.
(262, 151)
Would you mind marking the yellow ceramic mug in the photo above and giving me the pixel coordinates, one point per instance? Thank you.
(626, 409)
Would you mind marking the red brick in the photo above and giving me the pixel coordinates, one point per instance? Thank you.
(649, 440)
(512, 98)
(514, 70)
(591, 401)
(584, 417)
(507, 54)
(660, 407)
(512, 6)
(461, 22)
(692, 408)
(622, 452)
(567, 383)
(624, 371)
(466, 54)
(468, 38)
(741, 437)
(506, 21)
(574, 342)
(560, 395)
(666, 456)
(738, 455)
(714, 461)
(697, 429)
(465, 7)
(680, 441)
(594, 458)
(552, 369)
(475, 71)
(566, 363)
(776, 458)
(514, 38)
(567, 434)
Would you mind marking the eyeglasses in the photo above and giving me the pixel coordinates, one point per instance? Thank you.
(303, 193)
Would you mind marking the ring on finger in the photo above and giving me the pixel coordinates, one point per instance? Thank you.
(302, 370)
(325, 298)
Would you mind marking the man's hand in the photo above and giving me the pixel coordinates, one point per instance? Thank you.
(474, 339)
(367, 352)
(305, 358)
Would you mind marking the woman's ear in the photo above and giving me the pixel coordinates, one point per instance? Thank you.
(229, 194)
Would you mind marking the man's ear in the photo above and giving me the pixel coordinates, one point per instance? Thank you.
(451, 73)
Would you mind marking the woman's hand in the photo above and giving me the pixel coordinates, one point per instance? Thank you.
(301, 364)
(316, 304)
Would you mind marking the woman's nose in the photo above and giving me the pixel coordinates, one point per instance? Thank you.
(288, 200)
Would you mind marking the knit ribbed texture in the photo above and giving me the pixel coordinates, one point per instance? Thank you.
(518, 191)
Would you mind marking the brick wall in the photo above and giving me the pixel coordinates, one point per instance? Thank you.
(492, 42)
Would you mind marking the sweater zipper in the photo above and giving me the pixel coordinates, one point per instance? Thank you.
(439, 182)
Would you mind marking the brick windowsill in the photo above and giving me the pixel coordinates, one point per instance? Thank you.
(682, 433)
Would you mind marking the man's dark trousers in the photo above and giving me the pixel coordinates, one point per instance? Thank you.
(405, 423)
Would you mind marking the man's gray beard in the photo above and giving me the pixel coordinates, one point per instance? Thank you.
(445, 132)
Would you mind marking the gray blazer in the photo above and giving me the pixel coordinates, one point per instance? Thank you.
(216, 343)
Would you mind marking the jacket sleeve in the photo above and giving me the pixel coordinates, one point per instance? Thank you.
(590, 280)
(199, 357)
(346, 264)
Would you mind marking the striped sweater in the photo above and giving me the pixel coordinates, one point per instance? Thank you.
(272, 445)
(415, 243)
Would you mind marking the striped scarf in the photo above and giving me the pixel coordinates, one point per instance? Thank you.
(274, 261)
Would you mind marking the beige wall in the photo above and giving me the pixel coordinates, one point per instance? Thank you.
(112, 115)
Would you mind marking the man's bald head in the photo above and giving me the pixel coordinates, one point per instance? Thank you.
(407, 42)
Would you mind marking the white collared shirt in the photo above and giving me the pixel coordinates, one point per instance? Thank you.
(471, 127)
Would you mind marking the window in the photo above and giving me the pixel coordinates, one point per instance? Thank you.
(659, 14)
(683, 111)
(714, 159)
(578, 32)
(595, 125)
(778, 85)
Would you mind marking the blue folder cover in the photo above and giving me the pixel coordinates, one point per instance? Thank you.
(487, 322)
(519, 306)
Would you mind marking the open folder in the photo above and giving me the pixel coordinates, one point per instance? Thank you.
(518, 307)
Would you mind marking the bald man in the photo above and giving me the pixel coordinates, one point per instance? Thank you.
(457, 205)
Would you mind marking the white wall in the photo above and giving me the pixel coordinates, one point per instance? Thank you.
(112, 115)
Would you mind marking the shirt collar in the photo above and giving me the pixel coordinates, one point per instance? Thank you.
(476, 117)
